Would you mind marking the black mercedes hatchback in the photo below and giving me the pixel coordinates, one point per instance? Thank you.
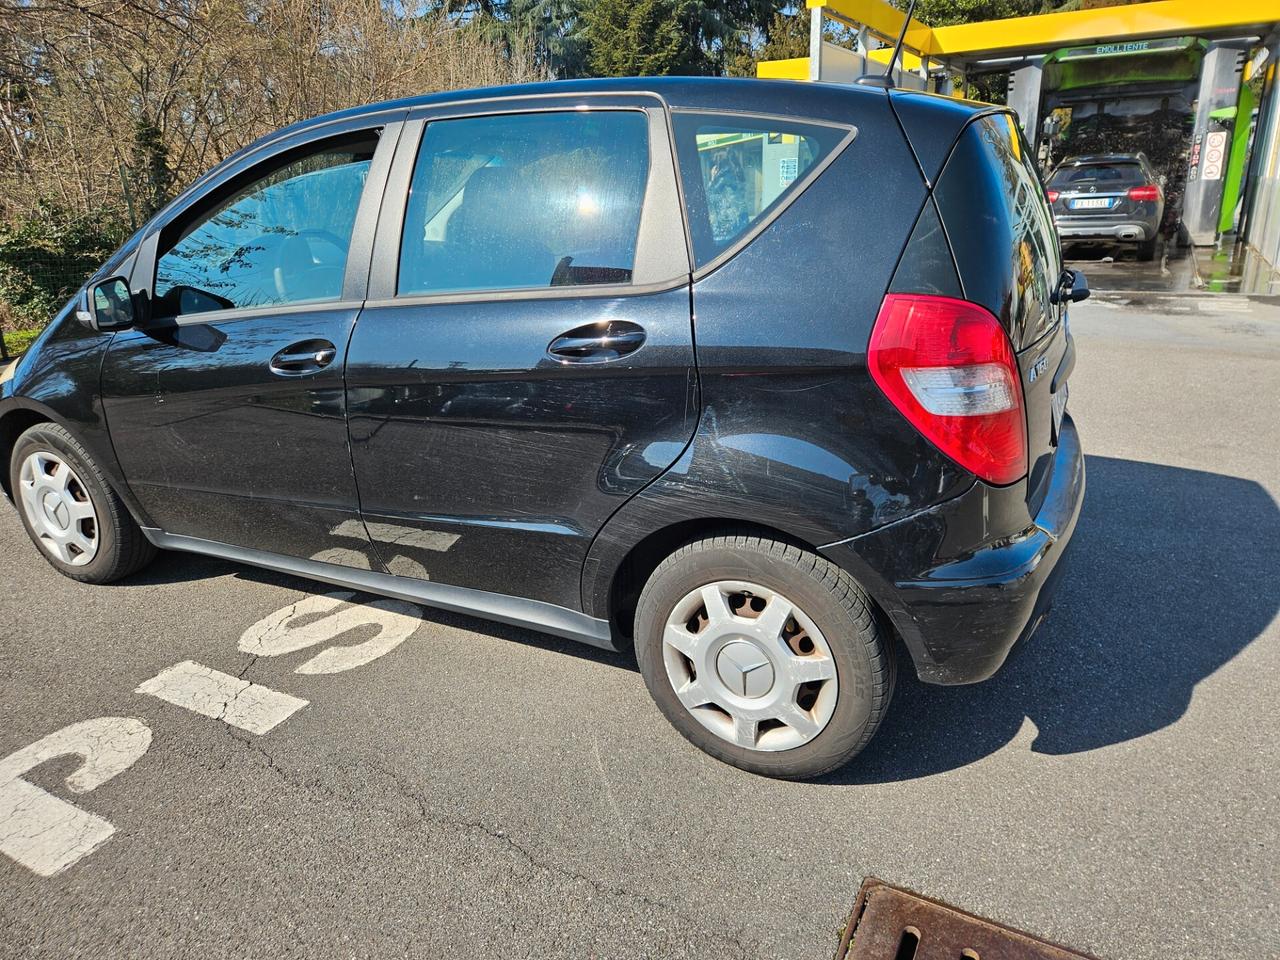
(767, 381)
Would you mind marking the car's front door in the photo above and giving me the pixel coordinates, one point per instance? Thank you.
(525, 360)
(227, 406)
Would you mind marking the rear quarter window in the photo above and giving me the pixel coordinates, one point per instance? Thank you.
(740, 171)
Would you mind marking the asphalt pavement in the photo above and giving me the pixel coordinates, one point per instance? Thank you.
(451, 788)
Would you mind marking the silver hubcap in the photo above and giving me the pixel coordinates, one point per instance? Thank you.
(58, 508)
(750, 665)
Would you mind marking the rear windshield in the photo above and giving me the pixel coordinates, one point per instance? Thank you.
(1098, 175)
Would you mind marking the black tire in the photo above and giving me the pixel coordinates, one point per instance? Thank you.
(122, 549)
(1147, 250)
(860, 646)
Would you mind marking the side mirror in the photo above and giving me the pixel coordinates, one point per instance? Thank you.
(1079, 287)
(108, 305)
(1072, 287)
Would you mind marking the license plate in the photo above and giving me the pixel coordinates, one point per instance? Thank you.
(1059, 409)
(1091, 203)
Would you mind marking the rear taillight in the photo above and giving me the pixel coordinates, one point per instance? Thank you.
(1053, 195)
(948, 366)
(1146, 192)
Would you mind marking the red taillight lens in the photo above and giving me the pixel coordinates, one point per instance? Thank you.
(1053, 195)
(1147, 192)
(948, 366)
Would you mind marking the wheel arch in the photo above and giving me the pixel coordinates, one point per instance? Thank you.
(16, 420)
(615, 588)
(23, 414)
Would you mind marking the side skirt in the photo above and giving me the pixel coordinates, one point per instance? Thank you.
(533, 614)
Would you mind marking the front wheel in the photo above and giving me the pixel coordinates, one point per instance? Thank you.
(764, 655)
(70, 511)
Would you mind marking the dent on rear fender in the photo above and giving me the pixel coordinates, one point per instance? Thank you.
(806, 490)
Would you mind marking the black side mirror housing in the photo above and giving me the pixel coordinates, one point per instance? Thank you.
(108, 305)
(1072, 287)
(1079, 286)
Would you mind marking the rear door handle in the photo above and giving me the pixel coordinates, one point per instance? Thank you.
(598, 342)
(305, 357)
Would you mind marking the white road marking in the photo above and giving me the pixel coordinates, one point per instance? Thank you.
(401, 536)
(319, 619)
(343, 557)
(45, 833)
(403, 566)
(398, 534)
(203, 690)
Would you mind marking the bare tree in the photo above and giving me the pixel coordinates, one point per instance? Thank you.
(108, 107)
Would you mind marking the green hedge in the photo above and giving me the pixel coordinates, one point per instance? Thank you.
(45, 258)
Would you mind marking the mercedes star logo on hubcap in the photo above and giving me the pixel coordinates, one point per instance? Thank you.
(744, 669)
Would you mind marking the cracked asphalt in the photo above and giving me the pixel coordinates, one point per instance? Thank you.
(481, 790)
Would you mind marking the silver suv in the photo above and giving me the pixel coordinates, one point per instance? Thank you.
(1112, 196)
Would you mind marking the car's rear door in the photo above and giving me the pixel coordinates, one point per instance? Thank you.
(227, 407)
(524, 363)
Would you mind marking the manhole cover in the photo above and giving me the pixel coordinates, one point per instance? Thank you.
(888, 923)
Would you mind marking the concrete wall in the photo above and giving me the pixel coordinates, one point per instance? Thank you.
(1263, 228)
(1219, 87)
(839, 65)
(1024, 97)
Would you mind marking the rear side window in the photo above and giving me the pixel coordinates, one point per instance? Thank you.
(1100, 175)
(738, 171)
(525, 201)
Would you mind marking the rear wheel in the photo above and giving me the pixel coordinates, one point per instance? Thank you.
(764, 655)
(1147, 250)
(70, 512)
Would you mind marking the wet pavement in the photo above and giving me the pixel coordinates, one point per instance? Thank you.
(1115, 268)
(1236, 268)
(1233, 269)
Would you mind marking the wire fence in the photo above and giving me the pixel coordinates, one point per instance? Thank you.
(33, 290)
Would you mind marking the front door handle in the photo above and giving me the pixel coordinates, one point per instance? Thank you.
(598, 342)
(305, 357)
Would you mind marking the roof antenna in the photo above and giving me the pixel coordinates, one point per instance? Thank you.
(885, 79)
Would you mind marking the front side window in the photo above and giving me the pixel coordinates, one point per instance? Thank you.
(525, 201)
(737, 171)
(282, 239)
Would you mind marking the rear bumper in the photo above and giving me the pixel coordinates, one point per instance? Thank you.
(1132, 230)
(960, 609)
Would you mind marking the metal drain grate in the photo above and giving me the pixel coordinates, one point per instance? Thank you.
(888, 923)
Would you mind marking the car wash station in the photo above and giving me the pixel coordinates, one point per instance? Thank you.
(1181, 93)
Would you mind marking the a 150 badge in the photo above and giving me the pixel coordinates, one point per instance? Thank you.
(1039, 367)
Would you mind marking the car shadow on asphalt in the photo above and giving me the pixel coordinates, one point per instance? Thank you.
(178, 567)
(1172, 572)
